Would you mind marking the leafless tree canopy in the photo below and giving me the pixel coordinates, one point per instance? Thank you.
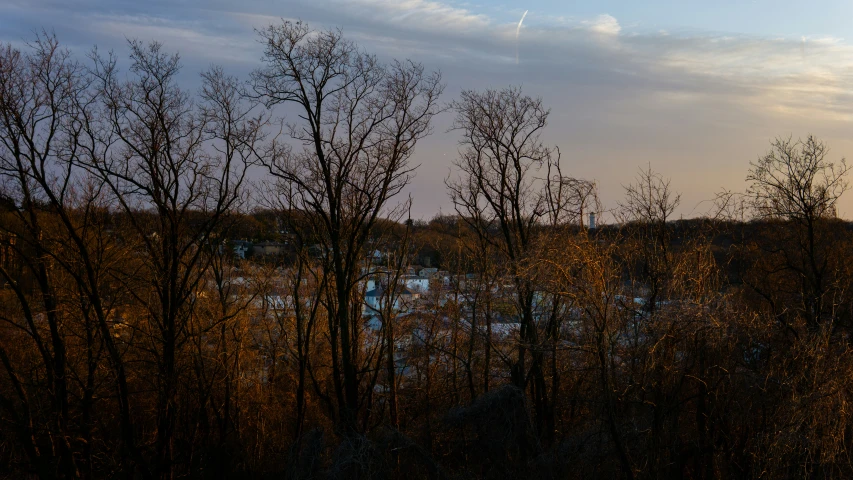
(349, 155)
(796, 181)
(500, 157)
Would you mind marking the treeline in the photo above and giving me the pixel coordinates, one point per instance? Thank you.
(135, 344)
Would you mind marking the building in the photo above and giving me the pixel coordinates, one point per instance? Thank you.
(428, 272)
(242, 248)
(378, 298)
(416, 283)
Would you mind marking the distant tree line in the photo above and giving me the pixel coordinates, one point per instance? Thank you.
(135, 344)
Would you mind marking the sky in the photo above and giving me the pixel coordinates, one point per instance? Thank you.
(694, 89)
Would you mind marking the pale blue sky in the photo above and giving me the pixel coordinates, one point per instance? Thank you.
(758, 17)
(694, 88)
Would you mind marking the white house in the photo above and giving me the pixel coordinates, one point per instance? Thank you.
(377, 298)
(416, 283)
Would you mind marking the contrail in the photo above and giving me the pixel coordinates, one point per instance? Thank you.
(517, 31)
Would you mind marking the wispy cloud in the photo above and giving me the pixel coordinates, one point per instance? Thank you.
(197, 39)
(416, 14)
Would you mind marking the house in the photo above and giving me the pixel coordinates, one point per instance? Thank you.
(416, 283)
(428, 272)
(377, 299)
(413, 269)
(242, 248)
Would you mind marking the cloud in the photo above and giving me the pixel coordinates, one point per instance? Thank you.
(198, 40)
(697, 105)
(604, 25)
(417, 14)
(786, 75)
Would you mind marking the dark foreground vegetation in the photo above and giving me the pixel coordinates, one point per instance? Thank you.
(137, 342)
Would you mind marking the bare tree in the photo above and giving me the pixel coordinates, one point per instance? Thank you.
(648, 206)
(570, 198)
(498, 195)
(650, 199)
(62, 231)
(588, 273)
(795, 183)
(175, 169)
(305, 282)
(350, 151)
